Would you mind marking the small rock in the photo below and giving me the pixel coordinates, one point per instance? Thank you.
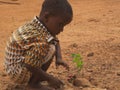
(118, 73)
(90, 54)
(69, 89)
(93, 89)
(74, 45)
(82, 82)
(93, 20)
(110, 11)
(77, 83)
(89, 70)
(44, 83)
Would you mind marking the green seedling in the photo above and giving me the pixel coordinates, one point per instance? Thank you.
(77, 59)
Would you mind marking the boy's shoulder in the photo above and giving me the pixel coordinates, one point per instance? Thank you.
(31, 32)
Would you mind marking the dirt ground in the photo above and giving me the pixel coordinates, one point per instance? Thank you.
(94, 33)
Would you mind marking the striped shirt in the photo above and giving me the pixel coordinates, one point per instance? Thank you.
(31, 44)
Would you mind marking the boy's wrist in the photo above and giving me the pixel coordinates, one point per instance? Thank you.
(58, 59)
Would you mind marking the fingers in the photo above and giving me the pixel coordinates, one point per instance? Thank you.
(57, 84)
(66, 66)
(60, 84)
(63, 64)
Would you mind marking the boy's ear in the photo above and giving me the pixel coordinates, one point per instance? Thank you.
(46, 16)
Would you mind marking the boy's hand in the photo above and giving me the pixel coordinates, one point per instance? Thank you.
(61, 62)
(55, 82)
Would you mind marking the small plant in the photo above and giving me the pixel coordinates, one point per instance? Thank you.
(77, 59)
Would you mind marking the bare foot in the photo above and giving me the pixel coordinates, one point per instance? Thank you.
(40, 87)
(46, 88)
(55, 83)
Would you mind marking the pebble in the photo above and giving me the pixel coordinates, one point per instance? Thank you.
(90, 54)
(93, 89)
(82, 82)
(118, 73)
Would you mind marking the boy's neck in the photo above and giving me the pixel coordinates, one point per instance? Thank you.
(42, 21)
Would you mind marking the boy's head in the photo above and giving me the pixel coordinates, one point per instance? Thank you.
(55, 14)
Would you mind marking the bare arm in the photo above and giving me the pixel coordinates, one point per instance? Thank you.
(58, 56)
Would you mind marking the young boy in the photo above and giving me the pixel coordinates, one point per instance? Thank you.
(31, 48)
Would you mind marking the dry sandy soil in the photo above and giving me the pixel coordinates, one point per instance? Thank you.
(94, 33)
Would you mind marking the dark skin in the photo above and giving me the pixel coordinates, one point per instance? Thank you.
(55, 25)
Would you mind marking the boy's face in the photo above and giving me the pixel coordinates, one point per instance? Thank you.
(55, 24)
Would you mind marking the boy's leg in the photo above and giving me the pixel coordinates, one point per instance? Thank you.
(36, 78)
(39, 88)
(39, 74)
(34, 83)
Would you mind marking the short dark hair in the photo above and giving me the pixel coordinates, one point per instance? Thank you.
(57, 7)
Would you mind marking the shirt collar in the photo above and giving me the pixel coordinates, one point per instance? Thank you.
(49, 37)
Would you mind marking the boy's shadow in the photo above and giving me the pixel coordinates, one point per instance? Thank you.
(12, 3)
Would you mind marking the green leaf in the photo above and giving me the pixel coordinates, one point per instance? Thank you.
(79, 64)
(78, 60)
(73, 55)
